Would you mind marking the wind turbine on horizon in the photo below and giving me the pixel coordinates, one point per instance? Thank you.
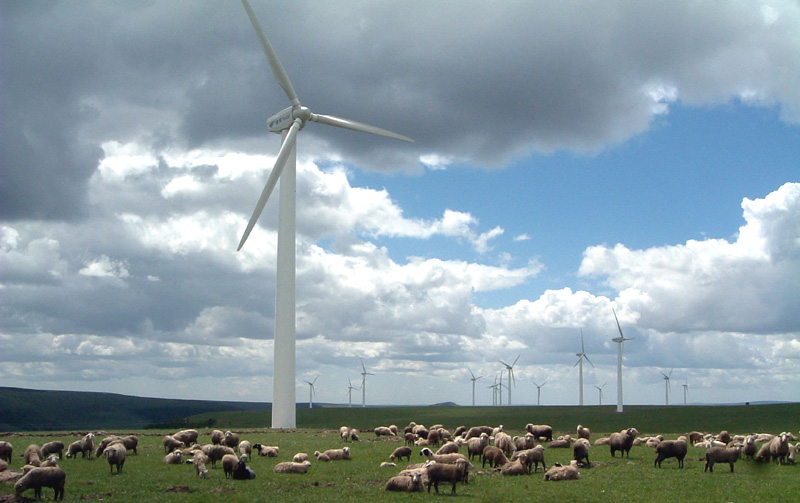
(311, 392)
(581, 356)
(288, 122)
(473, 378)
(685, 390)
(667, 385)
(364, 375)
(350, 389)
(539, 392)
(494, 391)
(600, 392)
(620, 341)
(511, 379)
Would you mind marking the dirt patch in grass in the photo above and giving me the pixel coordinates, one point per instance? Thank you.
(179, 489)
(96, 496)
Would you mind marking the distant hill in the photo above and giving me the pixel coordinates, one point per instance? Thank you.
(37, 410)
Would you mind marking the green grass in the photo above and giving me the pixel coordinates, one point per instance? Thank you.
(146, 478)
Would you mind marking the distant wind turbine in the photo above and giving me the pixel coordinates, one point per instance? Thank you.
(581, 356)
(494, 391)
(685, 390)
(364, 375)
(511, 379)
(539, 392)
(473, 378)
(311, 392)
(350, 389)
(288, 122)
(600, 392)
(620, 341)
(667, 385)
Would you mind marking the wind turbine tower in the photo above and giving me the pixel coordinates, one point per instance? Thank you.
(600, 392)
(473, 378)
(511, 379)
(620, 341)
(667, 385)
(350, 389)
(581, 356)
(685, 390)
(311, 392)
(539, 392)
(364, 375)
(288, 122)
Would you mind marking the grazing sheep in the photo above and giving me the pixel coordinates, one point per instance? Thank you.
(33, 455)
(475, 446)
(443, 472)
(623, 441)
(171, 443)
(354, 435)
(792, 453)
(393, 429)
(400, 453)
(292, 467)
(229, 462)
(561, 472)
(720, 455)
(54, 447)
(517, 467)
(382, 431)
(231, 439)
(188, 437)
(495, 456)
(217, 437)
(344, 432)
(6, 450)
(580, 451)
(584, 432)
(338, 454)
(115, 454)
(671, 449)
(173, 458)
(763, 453)
(412, 484)
(245, 447)
(37, 478)
(321, 456)
(267, 451)
(409, 438)
(215, 452)
(199, 461)
(448, 448)
(602, 441)
(300, 457)
(242, 471)
(79, 447)
(476, 431)
(532, 457)
(105, 443)
(540, 431)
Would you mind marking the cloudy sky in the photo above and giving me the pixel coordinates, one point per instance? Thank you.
(569, 158)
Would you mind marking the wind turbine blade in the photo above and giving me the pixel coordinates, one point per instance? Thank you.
(515, 360)
(356, 126)
(588, 360)
(277, 169)
(583, 350)
(274, 62)
(617, 320)
(504, 363)
(470, 373)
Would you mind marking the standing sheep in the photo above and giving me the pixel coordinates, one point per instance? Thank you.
(33, 455)
(671, 449)
(231, 439)
(540, 431)
(188, 437)
(401, 452)
(217, 437)
(779, 448)
(532, 457)
(83, 447)
(560, 472)
(623, 441)
(54, 447)
(6, 450)
(476, 431)
(494, 456)
(442, 472)
(292, 467)
(37, 478)
(171, 443)
(215, 452)
(584, 432)
(245, 447)
(229, 462)
(382, 431)
(115, 454)
(721, 455)
(580, 451)
(199, 461)
(344, 432)
(405, 483)
(475, 446)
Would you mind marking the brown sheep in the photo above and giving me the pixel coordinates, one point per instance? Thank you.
(721, 455)
(495, 456)
(451, 474)
(37, 478)
(623, 441)
(401, 452)
(671, 449)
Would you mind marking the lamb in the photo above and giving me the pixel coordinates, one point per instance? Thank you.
(188, 437)
(382, 431)
(231, 439)
(338, 454)
(115, 454)
(671, 449)
(401, 452)
(517, 467)
(779, 448)
(410, 484)
(584, 432)
(215, 452)
(721, 455)
(199, 461)
(173, 458)
(229, 462)
(560, 472)
(6, 450)
(475, 446)
(494, 456)
(292, 467)
(321, 456)
(540, 431)
(623, 441)
(476, 431)
(54, 447)
(245, 447)
(268, 451)
(300, 457)
(448, 448)
(217, 437)
(532, 457)
(580, 451)
(171, 443)
(33, 455)
(443, 472)
(37, 478)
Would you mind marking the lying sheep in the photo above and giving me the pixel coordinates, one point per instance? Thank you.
(171, 443)
(115, 455)
(321, 456)
(229, 462)
(3, 465)
(400, 453)
(231, 439)
(338, 454)
(37, 478)
(215, 452)
(54, 447)
(560, 472)
(443, 472)
(584, 432)
(188, 437)
(300, 457)
(517, 467)
(671, 449)
(52, 460)
(6, 451)
(476, 431)
(242, 471)
(405, 483)
(217, 437)
(580, 452)
(382, 431)
(540, 431)
(173, 458)
(292, 467)
(448, 448)
(623, 441)
(720, 455)
(33, 455)
(199, 461)
(602, 441)
(562, 442)
(267, 451)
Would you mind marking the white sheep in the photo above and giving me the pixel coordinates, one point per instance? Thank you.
(37, 478)
(338, 454)
(115, 455)
(292, 467)
(300, 457)
(267, 451)
(215, 452)
(517, 467)
(231, 439)
(580, 452)
(52, 460)
(171, 443)
(405, 483)
(199, 461)
(448, 448)
(321, 456)
(563, 472)
(245, 447)
(344, 432)
(476, 445)
(173, 458)
(229, 463)
(401, 452)
(779, 448)
(584, 432)
(188, 437)
(382, 431)
(217, 437)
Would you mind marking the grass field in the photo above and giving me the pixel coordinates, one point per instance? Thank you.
(145, 478)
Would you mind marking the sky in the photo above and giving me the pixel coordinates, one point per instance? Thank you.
(571, 160)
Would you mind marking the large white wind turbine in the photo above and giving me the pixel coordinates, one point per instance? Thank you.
(667, 385)
(539, 392)
(364, 375)
(288, 122)
(685, 390)
(311, 392)
(350, 389)
(581, 356)
(620, 341)
(511, 379)
(473, 378)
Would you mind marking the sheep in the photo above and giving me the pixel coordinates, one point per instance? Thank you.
(562, 442)
(448, 448)
(584, 432)
(763, 453)
(602, 441)
(434, 437)
(229, 462)
(231, 439)
(199, 461)
(75, 448)
(792, 453)
(505, 442)
(6, 450)
(517, 467)
(321, 456)
(344, 432)
(300, 457)
(580, 451)
(242, 471)
(215, 452)
(540, 431)
(354, 435)
(410, 427)
(420, 431)
(475, 446)
(292, 467)
(561, 472)
(412, 484)
(443, 472)
(409, 438)
(721, 455)
(115, 454)
(442, 458)
(37, 478)
(401, 452)
(245, 447)
(524, 443)
(217, 437)
(188, 437)
(779, 448)
(671, 449)
(131, 442)
(267, 451)
(494, 456)
(382, 431)
(476, 431)
(33, 455)
(52, 460)
(533, 457)
(3, 465)
(459, 431)
(724, 437)
(695, 437)
(171, 443)
(750, 449)
(173, 458)
(393, 429)
(623, 441)
(104, 443)
(338, 454)
(54, 447)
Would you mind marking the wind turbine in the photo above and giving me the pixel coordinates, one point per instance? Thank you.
(364, 375)
(620, 341)
(288, 122)
(350, 389)
(581, 356)
(494, 391)
(667, 385)
(600, 392)
(473, 385)
(539, 392)
(685, 390)
(511, 379)
(311, 392)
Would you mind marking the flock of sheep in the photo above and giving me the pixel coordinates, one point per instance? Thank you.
(449, 464)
